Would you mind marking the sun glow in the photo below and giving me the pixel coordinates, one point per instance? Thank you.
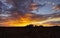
(48, 20)
(24, 22)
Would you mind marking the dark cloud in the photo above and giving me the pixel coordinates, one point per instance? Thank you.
(19, 9)
(56, 7)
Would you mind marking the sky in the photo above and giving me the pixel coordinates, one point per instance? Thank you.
(46, 9)
(24, 12)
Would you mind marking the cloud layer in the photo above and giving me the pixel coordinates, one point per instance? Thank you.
(17, 13)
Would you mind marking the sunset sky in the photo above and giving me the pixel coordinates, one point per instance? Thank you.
(24, 12)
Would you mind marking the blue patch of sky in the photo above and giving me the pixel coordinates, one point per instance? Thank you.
(46, 9)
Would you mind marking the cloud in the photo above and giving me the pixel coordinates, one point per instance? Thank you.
(56, 7)
(53, 23)
(49, 22)
(20, 15)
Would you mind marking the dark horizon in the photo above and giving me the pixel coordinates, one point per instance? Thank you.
(30, 32)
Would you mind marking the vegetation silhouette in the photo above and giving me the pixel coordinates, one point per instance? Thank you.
(31, 32)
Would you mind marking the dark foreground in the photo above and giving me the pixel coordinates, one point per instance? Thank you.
(30, 32)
